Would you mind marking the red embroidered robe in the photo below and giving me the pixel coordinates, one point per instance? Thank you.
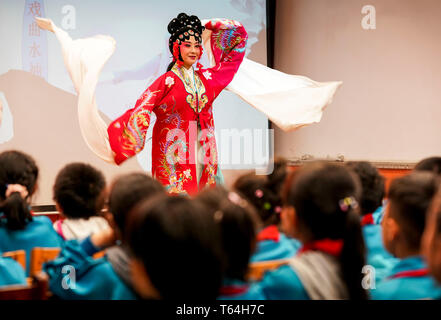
(180, 109)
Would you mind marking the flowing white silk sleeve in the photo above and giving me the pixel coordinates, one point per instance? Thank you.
(84, 60)
(289, 101)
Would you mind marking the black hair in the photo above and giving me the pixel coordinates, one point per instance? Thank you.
(182, 28)
(127, 191)
(410, 197)
(17, 168)
(237, 227)
(315, 193)
(78, 190)
(372, 185)
(177, 243)
(264, 192)
(432, 164)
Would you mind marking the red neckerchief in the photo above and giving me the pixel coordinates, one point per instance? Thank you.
(329, 246)
(269, 233)
(233, 290)
(367, 219)
(410, 274)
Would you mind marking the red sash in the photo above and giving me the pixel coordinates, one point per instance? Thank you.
(367, 219)
(329, 246)
(269, 233)
(411, 274)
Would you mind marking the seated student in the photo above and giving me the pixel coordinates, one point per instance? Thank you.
(371, 209)
(108, 277)
(19, 230)
(11, 272)
(237, 230)
(176, 250)
(321, 211)
(264, 193)
(403, 225)
(79, 198)
(432, 164)
(431, 240)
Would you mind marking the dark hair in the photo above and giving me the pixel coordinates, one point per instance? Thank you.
(127, 191)
(410, 197)
(78, 190)
(17, 168)
(315, 193)
(372, 185)
(177, 243)
(237, 229)
(264, 192)
(432, 164)
(182, 28)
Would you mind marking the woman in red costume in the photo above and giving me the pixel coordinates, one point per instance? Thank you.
(182, 100)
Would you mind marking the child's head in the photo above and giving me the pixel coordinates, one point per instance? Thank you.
(18, 180)
(372, 185)
(321, 203)
(126, 192)
(432, 164)
(405, 218)
(236, 220)
(431, 240)
(264, 192)
(176, 249)
(79, 191)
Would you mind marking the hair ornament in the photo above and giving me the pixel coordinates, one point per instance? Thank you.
(278, 209)
(348, 202)
(258, 193)
(11, 188)
(218, 215)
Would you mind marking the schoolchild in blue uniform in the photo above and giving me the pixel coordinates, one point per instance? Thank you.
(236, 221)
(11, 272)
(264, 193)
(403, 226)
(321, 211)
(19, 230)
(371, 210)
(176, 250)
(107, 277)
(431, 240)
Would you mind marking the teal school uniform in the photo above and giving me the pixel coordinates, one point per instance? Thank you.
(408, 280)
(93, 279)
(283, 284)
(38, 233)
(377, 256)
(11, 272)
(274, 245)
(240, 290)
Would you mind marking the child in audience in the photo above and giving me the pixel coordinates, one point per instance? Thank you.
(431, 241)
(403, 226)
(371, 209)
(237, 228)
(79, 197)
(264, 193)
(11, 272)
(321, 211)
(177, 253)
(108, 277)
(19, 230)
(432, 164)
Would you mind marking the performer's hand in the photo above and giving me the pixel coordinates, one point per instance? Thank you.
(45, 24)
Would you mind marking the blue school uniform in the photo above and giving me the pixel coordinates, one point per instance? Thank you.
(283, 284)
(93, 279)
(11, 272)
(377, 256)
(240, 290)
(408, 280)
(37, 233)
(274, 245)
